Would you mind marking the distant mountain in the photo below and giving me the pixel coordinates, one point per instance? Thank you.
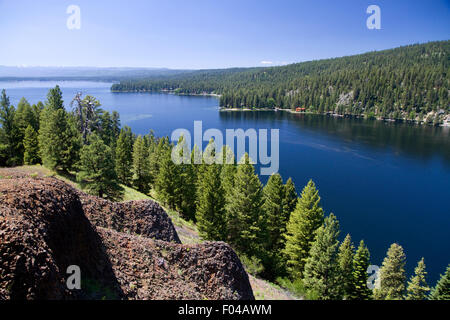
(96, 73)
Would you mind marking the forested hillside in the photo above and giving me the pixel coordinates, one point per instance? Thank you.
(409, 83)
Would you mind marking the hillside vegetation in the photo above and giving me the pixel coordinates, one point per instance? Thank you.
(409, 83)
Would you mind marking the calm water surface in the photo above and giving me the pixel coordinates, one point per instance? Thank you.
(385, 182)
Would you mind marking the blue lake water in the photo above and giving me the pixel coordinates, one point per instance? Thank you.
(385, 182)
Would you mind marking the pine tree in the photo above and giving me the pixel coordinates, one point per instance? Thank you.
(321, 274)
(417, 286)
(155, 159)
(392, 275)
(168, 182)
(290, 199)
(275, 226)
(141, 166)
(97, 174)
(244, 210)
(31, 146)
(23, 117)
(301, 230)
(442, 289)
(345, 260)
(360, 264)
(59, 139)
(228, 172)
(54, 99)
(124, 156)
(186, 197)
(10, 142)
(210, 211)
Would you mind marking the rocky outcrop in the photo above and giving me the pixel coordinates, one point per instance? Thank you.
(44, 228)
(145, 217)
(152, 269)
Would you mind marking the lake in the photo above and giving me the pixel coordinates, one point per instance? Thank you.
(385, 182)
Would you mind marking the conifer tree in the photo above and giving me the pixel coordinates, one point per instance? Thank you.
(97, 174)
(54, 99)
(23, 117)
(321, 274)
(9, 133)
(442, 289)
(392, 275)
(210, 211)
(360, 264)
(155, 158)
(417, 286)
(275, 226)
(301, 229)
(228, 172)
(186, 197)
(59, 138)
(345, 260)
(290, 198)
(244, 216)
(168, 182)
(124, 156)
(31, 146)
(141, 166)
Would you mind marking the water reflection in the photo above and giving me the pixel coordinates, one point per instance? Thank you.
(418, 141)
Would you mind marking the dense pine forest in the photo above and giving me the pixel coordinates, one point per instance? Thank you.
(279, 235)
(406, 83)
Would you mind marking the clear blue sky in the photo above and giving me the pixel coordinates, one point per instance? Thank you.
(198, 34)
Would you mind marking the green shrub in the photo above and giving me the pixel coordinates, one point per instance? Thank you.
(252, 265)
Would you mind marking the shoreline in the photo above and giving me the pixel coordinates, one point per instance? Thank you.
(224, 109)
(334, 115)
(169, 92)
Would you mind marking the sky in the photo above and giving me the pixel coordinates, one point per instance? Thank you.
(202, 34)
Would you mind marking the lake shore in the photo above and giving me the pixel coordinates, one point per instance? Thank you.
(417, 122)
(169, 92)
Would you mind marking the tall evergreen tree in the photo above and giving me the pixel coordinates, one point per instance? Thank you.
(360, 264)
(345, 260)
(186, 196)
(155, 158)
(124, 156)
(59, 139)
(442, 289)
(417, 286)
(31, 146)
(290, 198)
(228, 172)
(301, 230)
(141, 166)
(392, 275)
(244, 214)
(275, 226)
(97, 174)
(210, 211)
(168, 182)
(321, 274)
(54, 99)
(23, 117)
(9, 133)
